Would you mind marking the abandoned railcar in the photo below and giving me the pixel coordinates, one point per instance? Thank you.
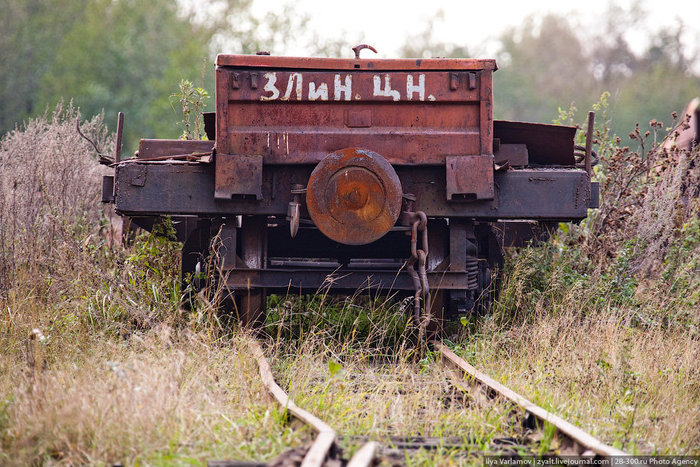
(357, 173)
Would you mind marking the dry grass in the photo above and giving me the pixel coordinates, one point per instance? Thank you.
(600, 325)
(154, 399)
(638, 389)
(116, 372)
(49, 186)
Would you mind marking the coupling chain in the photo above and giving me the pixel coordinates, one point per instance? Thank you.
(419, 223)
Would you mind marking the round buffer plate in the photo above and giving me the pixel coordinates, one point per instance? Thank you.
(354, 196)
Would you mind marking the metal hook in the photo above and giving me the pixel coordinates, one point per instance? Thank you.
(358, 48)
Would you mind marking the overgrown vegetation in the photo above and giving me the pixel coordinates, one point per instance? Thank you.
(602, 322)
(100, 364)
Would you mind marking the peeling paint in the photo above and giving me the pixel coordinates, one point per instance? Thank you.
(299, 79)
(270, 87)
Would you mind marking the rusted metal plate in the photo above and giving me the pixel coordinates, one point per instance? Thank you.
(353, 86)
(298, 115)
(515, 155)
(188, 189)
(108, 188)
(139, 176)
(271, 61)
(149, 148)
(523, 233)
(354, 196)
(469, 178)
(238, 175)
(546, 144)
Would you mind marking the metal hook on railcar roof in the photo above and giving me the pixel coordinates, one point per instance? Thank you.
(358, 48)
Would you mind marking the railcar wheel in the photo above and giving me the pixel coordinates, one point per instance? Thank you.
(484, 268)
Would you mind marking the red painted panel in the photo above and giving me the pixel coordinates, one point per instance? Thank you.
(300, 115)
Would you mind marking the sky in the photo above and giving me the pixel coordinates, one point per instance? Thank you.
(387, 24)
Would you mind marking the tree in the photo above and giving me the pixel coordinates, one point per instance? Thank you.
(541, 67)
(127, 56)
(31, 30)
(648, 85)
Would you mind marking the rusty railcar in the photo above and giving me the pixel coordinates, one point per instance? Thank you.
(356, 173)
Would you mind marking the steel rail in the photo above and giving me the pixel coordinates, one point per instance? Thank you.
(326, 438)
(576, 434)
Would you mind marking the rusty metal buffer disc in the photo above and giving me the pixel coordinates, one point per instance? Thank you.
(354, 196)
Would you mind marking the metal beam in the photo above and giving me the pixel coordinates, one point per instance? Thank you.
(171, 188)
(314, 279)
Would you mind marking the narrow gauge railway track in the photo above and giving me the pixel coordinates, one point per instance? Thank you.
(324, 451)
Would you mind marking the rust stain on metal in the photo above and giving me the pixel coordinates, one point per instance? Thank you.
(139, 176)
(469, 178)
(354, 196)
(238, 175)
(546, 144)
(515, 155)
(345, 64)
(323, 105)
(284, 146)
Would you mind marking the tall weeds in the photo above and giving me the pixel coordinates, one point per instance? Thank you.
(602, 322)
(639, 253)
(100, 363)
(49, 190)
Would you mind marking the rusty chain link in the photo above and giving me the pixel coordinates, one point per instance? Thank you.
(419, 223)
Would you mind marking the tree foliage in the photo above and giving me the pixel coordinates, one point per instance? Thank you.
(556, 66)
(548, 63)
(126, 55)
(130, 55)
(31, 29)
(123, 55)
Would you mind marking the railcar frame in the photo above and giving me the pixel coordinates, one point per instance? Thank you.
(357, 173)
